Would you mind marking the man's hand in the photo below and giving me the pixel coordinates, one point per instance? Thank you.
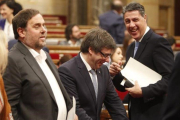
(75, 117)
(114, 68)
(136, 91)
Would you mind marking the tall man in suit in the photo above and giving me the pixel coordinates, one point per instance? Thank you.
(112, 22)
(145, 103)
(33, 86)
(88, 80)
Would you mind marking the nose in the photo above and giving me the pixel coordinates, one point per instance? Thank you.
(132, 24)
(1, 11)
(107, 59)
(121, 56)
(44, 29)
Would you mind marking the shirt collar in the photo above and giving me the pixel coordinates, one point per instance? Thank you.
(147, 29)
(41, 55)
(86, 64)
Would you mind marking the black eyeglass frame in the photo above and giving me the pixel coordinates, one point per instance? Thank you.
(104, 55)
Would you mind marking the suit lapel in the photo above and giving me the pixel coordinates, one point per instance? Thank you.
(143, 44)
(130, 52)
(85, 74)
(35, 67)
(100, 87)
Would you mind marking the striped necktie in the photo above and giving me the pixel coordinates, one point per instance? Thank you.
(136, 47)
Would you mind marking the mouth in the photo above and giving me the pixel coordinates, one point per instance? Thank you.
(43, 38)
(133, 31)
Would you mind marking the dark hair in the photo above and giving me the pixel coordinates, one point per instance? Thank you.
(115, 6)
(126, 40)
(68, 31)
(97, 39)
(12, 5)
(171, 40)
(21, 19)
(64, 59)
(134, 6)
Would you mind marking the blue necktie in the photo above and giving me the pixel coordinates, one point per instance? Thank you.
(136, 47)
(95, 84)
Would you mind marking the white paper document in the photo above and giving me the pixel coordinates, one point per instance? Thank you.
(71, 113)
(134, 70)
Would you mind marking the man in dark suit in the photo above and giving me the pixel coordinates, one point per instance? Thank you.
(145, 103)
(88, 80)
(112, 22)
(171, 105)
(32, 83)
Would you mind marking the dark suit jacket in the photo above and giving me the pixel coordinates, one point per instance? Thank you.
(172, 104)
(2, 23)
(78, 83)
(154, 51)
(28, 90)
(113, 24)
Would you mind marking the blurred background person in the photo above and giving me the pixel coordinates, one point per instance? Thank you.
(73, 35)
(112, 21)
(5, 109)
(117, 56)
(63, 59)
(172, 42)
(8, 9)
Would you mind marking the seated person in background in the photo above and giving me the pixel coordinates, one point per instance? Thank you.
(8, 9)
(63, 59)
(172, 42)
(117, 57)
(73, 35)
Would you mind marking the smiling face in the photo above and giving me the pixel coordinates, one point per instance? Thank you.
(117, 56)
(135, 24)
(34, 35)
(76, 35)
(5, 11)
(97, 59)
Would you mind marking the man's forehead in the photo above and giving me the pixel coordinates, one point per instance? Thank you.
(36, 19)
(134, 13)
(106, 50)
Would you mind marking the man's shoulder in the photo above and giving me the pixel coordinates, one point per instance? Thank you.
(69, 64)
(108, 13)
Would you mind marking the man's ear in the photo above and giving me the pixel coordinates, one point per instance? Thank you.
(145, 17)
(90, 50)
(21, 32)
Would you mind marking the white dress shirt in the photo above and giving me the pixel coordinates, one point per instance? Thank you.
(88, 67)
(8, 29)
(40, 58)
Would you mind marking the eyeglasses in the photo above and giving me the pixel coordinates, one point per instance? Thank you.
(105, 55)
